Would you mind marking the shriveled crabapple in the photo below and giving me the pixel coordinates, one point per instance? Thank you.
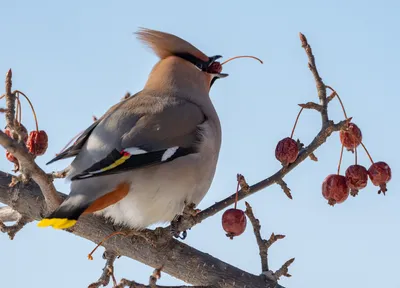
(335, 189)
(37, 142)
(234, 222)
(286, 151)
(351, 136)
(357, 178)
(380, 174)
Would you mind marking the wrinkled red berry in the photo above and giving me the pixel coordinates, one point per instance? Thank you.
(286, 151)
(357, 178)
(335, 189)
(234, 222)
(351, 137)
(37, 142)
(380, 174)
(215, 68)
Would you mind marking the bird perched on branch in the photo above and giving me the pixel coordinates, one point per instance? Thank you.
(153, 152)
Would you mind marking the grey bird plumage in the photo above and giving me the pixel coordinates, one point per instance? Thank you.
(170, 133)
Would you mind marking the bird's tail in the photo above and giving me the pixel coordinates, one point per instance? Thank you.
(63, 217)
(78, 204)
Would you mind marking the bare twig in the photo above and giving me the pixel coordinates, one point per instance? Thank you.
(243, 184)
(313, 157)
(7, 214)
(263, 245)
(311, 105)
(10, 101)
(285, 188)
(318, 81)
(283, 271)
(3, 110)
(330, 97)
(154, 277)
(59, 174)
(13, 229)
(108, 271)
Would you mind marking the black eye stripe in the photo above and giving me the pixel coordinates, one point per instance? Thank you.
(202, 65)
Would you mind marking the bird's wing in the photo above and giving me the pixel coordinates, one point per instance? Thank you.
(157, 136)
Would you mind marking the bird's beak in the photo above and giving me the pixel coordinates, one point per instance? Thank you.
(220, 75)
(211, 61)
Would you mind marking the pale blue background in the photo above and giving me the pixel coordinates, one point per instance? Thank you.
(77, 58)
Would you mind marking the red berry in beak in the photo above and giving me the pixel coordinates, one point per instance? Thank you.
(215, 68)
(380, 174)
(335, 189)
(351, 137)
(234, 222)
(357, 178)
(37, 142)
(286, 151)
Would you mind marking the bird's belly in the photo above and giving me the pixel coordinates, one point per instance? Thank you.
(157, 194)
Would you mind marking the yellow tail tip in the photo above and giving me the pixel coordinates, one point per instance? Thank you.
(56, 223)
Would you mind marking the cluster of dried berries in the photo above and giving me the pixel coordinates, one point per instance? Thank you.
(336, 188)
(234, 220)
(36, 142)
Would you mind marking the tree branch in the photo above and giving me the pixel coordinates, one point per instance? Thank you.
(188, 222)
(27, 164)
(10, 101)
(152, 282)
(108, 270)
(14, 229)
(263, 245)
(321, 89)
(7, 214)
(178, 259)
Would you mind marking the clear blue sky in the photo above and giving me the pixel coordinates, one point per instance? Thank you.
(77, 58)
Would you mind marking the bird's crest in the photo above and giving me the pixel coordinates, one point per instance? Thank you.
(165, 44)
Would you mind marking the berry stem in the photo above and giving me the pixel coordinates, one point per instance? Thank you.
(340, 100)
(90, 257)
(355, 154)
(295, 123)
(17, 110)
(18, 115)
(246, 56)
(366, 151)
(237, 190)
(33, 110)
(340, 160)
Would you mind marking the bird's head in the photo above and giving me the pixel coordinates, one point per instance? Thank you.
(167, 46)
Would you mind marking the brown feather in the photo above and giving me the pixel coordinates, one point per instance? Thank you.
(110, 198)
(165, 44)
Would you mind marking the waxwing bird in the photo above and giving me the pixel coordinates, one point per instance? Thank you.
(153, 152)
